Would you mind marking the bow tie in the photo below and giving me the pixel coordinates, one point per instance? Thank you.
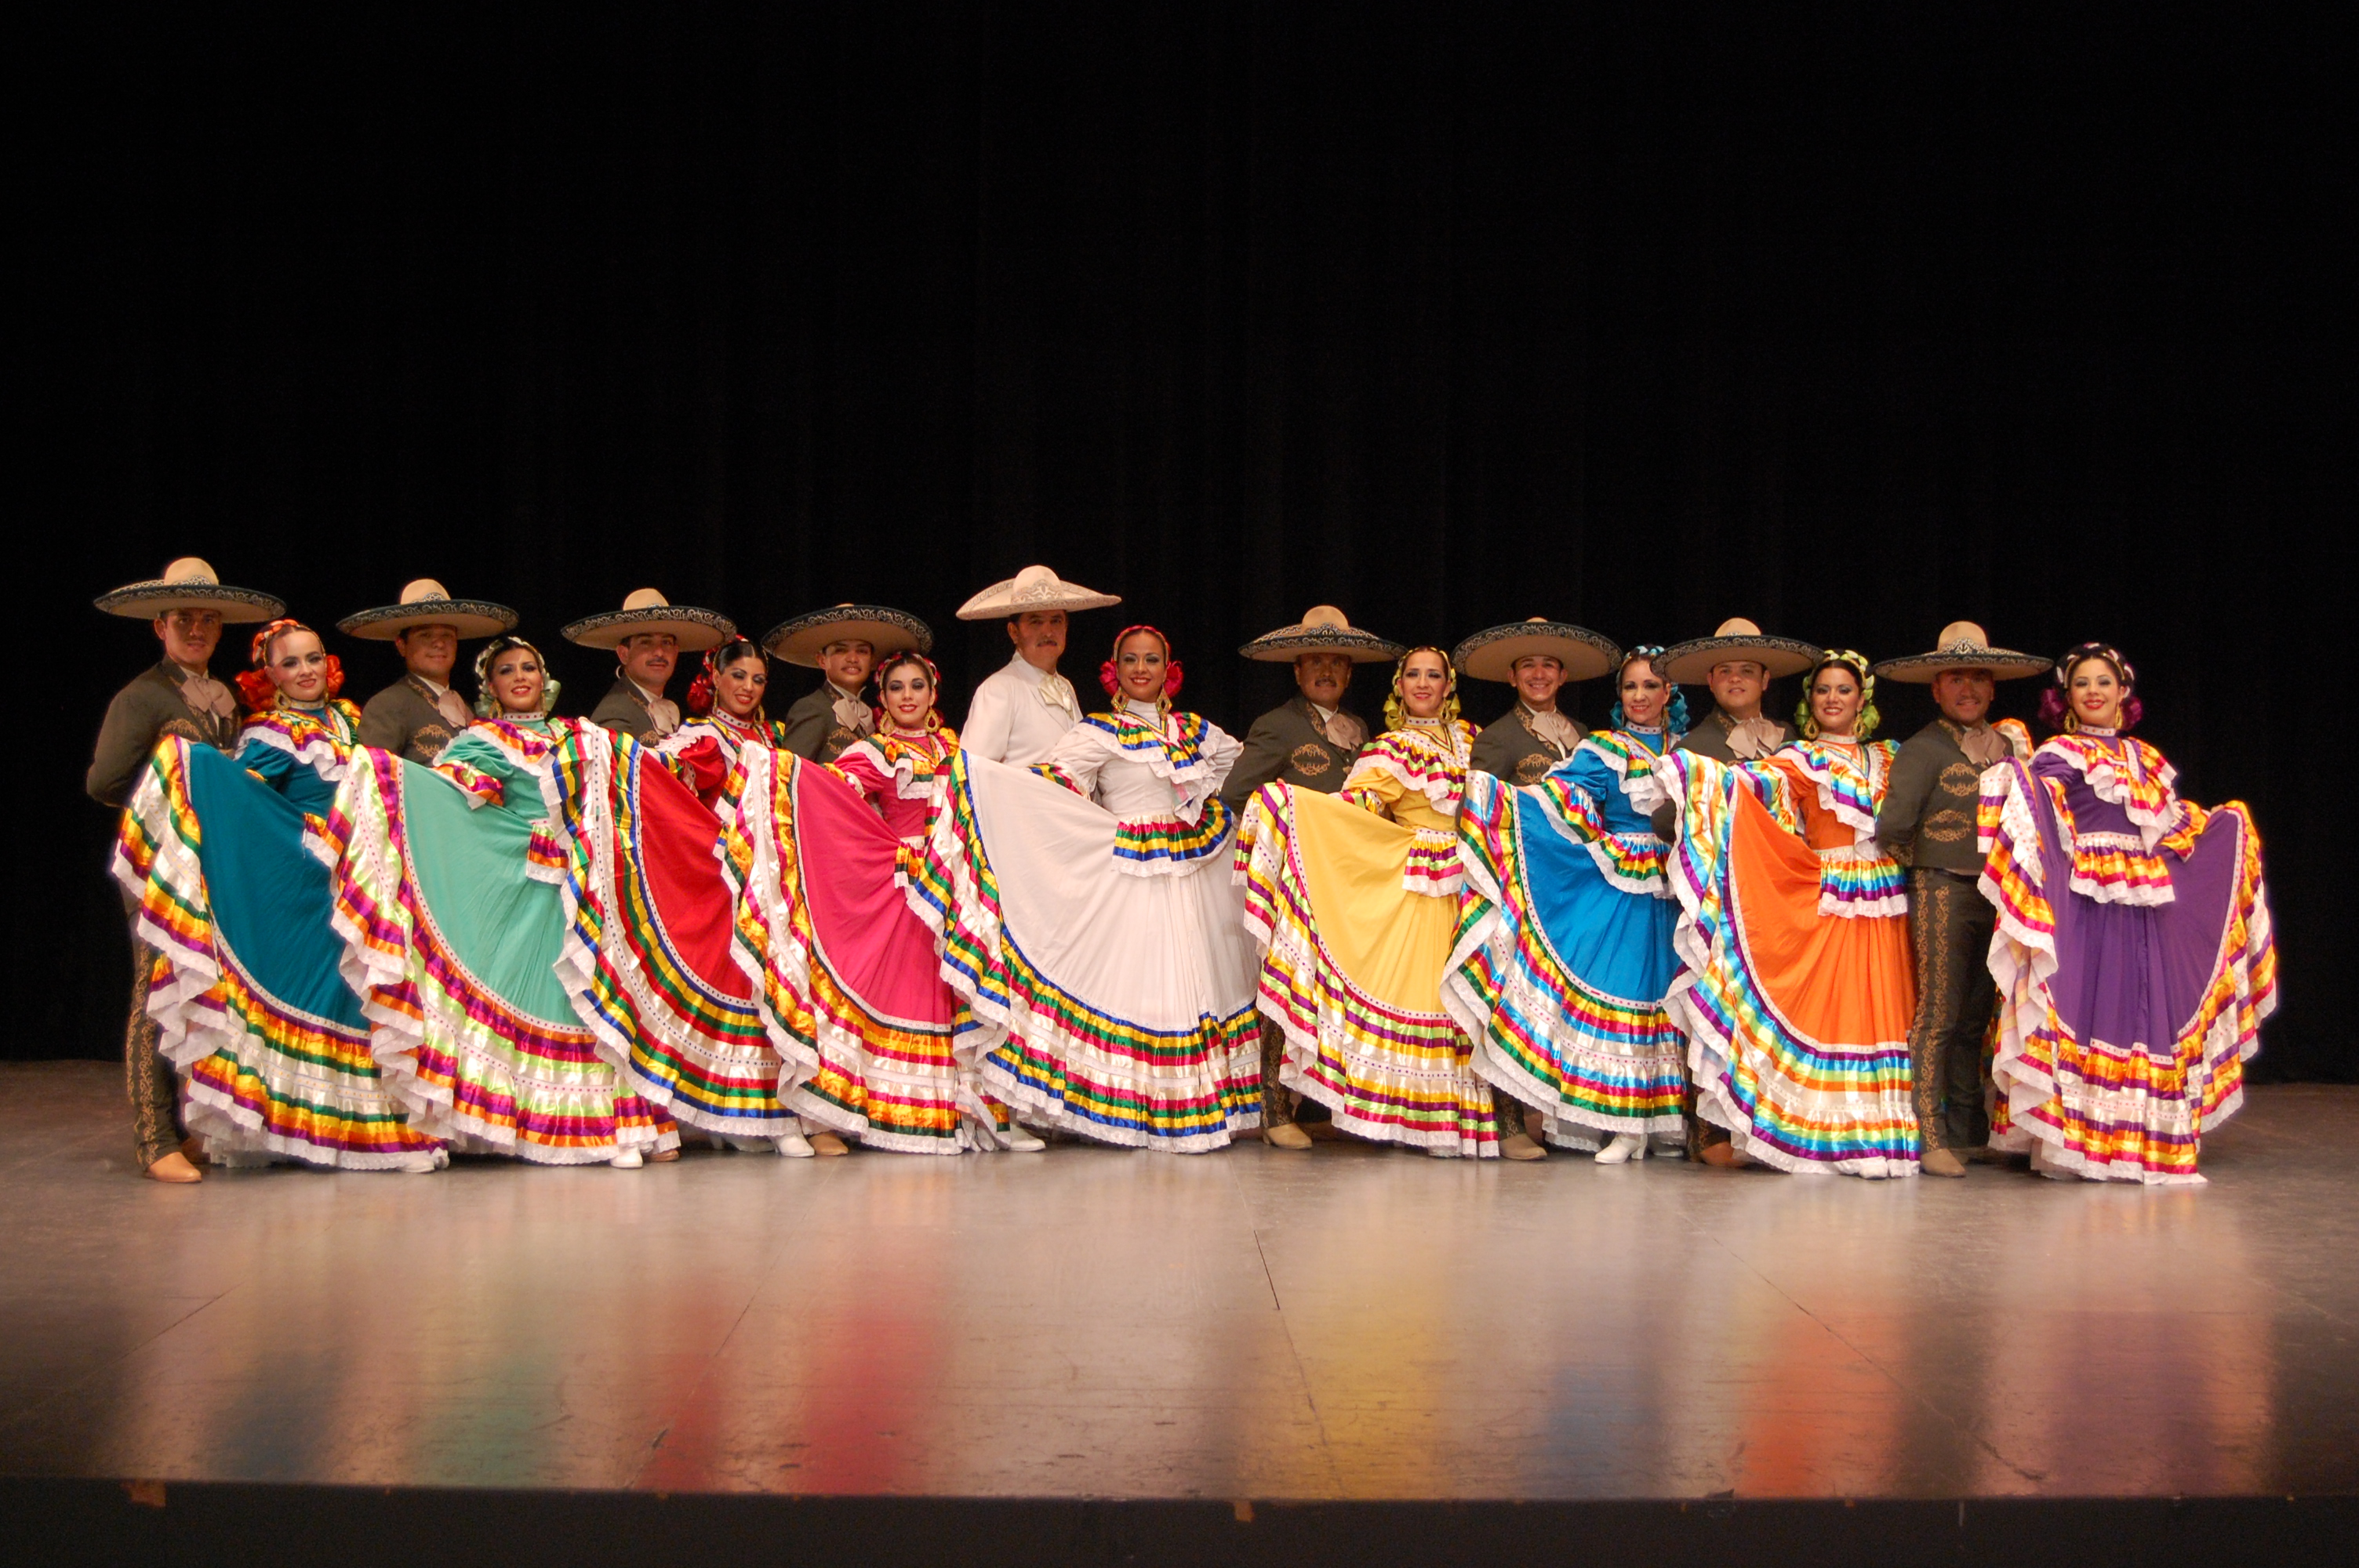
(1754, 736)
(205, 694)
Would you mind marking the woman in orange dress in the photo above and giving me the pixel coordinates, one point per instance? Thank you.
(1796, 987)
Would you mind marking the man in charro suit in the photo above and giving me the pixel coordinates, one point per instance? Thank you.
(648, 636)
(844, 644)
(186, 606)
(1928, 823)
(418, 715)
(1539, 657)
(1310, 739)
(1308, 742)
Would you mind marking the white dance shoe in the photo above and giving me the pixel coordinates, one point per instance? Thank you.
(628, 1160)
(794, 1146)
(422, 1163)
(1626, 1146)
(1017, 1141)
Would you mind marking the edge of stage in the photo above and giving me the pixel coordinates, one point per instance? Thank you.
(98, 1520)
(1100, 1354)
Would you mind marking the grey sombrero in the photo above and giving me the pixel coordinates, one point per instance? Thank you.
(1689, 663)
(1322, 629)
(426, 602)
(1491, 653)
(1962, 645)
(189, 583)
(886, 630)
(1034, 588)
(648, 611)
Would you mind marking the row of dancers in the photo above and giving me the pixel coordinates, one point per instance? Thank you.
(367, 937)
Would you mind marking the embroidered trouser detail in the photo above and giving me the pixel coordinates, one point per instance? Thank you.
(148, 1080)
(1950, 925)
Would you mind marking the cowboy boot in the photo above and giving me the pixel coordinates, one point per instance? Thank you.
(1277, 1128)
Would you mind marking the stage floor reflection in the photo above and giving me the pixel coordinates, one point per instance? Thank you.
(1350, 1324)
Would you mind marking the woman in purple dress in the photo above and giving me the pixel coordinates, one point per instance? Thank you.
(2134, 955)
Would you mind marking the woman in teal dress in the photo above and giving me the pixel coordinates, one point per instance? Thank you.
(1564, 951)
(271, 1044)
(451, 892)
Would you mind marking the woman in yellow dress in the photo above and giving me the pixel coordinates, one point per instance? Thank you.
(1353, 900)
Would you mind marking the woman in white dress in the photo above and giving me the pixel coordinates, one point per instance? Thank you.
(1089, 920)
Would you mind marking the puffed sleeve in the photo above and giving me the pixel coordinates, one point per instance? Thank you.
(1376, 789)
(1221, 750)
(1078, 757)
(860, 767)
(272, 764)
(703, 767)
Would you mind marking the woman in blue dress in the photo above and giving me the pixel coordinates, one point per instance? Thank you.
(1564, 955)
(252, 1008)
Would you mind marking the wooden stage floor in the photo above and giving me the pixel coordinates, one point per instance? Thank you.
(1352, 1323)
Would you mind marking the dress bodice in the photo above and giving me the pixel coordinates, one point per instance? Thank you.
(1142, 764)
(1416, 774)
(895, 773)
(1828, 791)
(1615, 770)
(2118, 806)
(300, 752)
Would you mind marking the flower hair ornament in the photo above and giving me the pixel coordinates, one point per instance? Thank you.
(701, 689)
(933, 678)
(2056, 702)
(254, 683)
(1397, 711)
(487, 704)
(1675, 712)
(1110, 677)
(1857, 665)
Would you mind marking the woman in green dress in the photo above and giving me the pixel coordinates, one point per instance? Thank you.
(451, 889)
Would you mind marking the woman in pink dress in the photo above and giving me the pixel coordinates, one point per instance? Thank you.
(822, 854)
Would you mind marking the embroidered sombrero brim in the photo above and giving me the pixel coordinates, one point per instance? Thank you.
(1034, 588)
(1289, 643)
(2005, 664)
(468, 617)
(146, 600)
(696, 629)
(1491, 655)
(1689, 662)
(886, 630)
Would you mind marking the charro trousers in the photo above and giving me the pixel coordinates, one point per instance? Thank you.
(1950, 927)
(148, 1079)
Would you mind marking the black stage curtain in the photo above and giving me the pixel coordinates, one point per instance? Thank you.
(1448, 315)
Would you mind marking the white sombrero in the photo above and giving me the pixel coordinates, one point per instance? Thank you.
(884, 630)
(1034, 588)
(648, 611)
(1689, 663)
(1321, 630)
(190, 584)
(1962, 645)
(1491, 653)
(426, 602)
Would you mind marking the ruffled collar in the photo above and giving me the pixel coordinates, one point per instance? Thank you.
(1426, 756)
(1850, 776)
(2125, 771)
